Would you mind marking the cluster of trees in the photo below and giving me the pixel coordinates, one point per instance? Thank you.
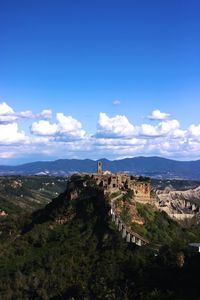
(86, 258)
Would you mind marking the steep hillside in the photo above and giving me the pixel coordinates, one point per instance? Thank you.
(71, 250)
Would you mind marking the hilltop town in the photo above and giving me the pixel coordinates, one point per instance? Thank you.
(113, 182)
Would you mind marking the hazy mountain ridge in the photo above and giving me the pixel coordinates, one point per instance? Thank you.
(148, 166)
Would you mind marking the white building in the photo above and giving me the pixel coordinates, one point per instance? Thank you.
(195, 247)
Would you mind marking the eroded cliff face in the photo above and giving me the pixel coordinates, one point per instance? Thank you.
(168, 194)
(125, 207)
(179, 204)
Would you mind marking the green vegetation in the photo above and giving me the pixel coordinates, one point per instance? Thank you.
(143, 179)
(159, 228)
(125, 215)
(19, 194)
(71, 250)
(128, 196)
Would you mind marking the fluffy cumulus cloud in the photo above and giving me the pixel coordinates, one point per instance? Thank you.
(6, 114)
(118, 136)
(158, 115)
(194, 131)
(164, 128)
(69, 126)
(43, 127)
(118, 126)
(9, 133)
(65, 128)
(5, 109)
(114, 137)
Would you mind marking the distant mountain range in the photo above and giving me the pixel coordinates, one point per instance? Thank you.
(157, 167)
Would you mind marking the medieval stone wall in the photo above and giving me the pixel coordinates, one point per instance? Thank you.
(141, 189)
(114, 182)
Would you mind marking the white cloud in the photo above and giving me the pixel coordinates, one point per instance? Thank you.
(158, 115)
(43, 128)
(194, 130)
(46, 114)
(116, 102)
(5, 109)
(118, 142)
(66, 128)
(9, 133)
(115, 137)
(69, 126)
(165, 138)
(178, 133)
(8, 115)
(162, 129)
(7, 119)
(148, 130)
(25, 114)
(118, 126)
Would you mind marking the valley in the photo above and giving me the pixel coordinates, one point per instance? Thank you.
(24, 194)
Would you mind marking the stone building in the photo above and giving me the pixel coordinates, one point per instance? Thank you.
(99, 167)
(121, 181)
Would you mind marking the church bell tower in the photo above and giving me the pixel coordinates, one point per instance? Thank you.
(99, 167)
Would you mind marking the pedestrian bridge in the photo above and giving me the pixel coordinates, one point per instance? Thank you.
(127, 234)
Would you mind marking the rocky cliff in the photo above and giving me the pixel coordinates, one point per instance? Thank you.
(179, 204)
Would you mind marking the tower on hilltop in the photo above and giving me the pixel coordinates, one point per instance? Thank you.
(99, 167)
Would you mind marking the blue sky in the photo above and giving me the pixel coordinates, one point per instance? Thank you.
(78, 59)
